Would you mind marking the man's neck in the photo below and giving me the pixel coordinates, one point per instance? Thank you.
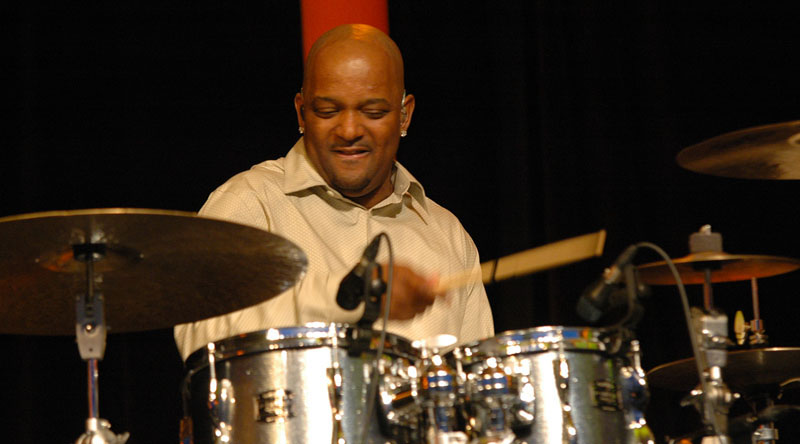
(375, 197)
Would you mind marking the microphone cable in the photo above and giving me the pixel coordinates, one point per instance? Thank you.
(373, 384)
(692, 337)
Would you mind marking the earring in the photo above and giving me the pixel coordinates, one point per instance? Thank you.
(403, 133)
(301, 129)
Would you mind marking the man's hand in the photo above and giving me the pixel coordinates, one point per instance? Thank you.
(411, 293)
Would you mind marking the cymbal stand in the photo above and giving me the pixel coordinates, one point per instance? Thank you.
(758, 337)
(710, 346)
(716, 398)
(90, 330)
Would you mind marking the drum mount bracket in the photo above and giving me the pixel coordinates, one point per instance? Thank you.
(375, 288)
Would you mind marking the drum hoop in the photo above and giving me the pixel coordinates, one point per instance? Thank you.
(537, 340)
(309, 336)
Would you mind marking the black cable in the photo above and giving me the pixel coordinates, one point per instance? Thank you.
(688, 315)
(373, 386)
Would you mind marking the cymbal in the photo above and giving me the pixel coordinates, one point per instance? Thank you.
(160, 268)
(762, 152)
(746, 370)
(725, 268)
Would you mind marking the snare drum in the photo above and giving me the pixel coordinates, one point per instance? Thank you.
(555, 385)
(301, 385)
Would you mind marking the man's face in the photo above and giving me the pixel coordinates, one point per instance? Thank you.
(350, 109)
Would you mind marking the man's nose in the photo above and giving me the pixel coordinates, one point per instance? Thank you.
(349, 126)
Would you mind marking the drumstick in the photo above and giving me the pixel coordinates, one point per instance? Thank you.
(525, 262)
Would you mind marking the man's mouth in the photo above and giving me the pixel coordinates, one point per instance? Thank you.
(351, 151)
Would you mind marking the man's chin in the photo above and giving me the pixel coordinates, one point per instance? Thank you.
(351, 190)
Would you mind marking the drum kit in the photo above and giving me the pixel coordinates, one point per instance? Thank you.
(90, 272)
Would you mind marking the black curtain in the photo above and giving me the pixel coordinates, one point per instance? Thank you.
(535, 121)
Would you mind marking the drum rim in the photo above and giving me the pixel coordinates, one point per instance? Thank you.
(538, 339)
(297, 337)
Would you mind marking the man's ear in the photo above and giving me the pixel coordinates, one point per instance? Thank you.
(300, 109)
(406, 112)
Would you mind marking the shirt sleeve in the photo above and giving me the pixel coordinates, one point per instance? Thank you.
(478, 322)
(241, 206)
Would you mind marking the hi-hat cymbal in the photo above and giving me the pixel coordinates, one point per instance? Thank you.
(762, 152)
(160, 268)
(724, 268)
(746, 370)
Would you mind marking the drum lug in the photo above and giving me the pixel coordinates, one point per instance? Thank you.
(438, 395)
(220, 405)
(335, 397)
(635, 395)
(493, 392)
(569, 433)
(334, 373)
(222, 412)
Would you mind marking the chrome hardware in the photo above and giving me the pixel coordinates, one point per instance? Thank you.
(220, 405)
(437, 393)
(712, 340)
(569, 433)
(98, 431)
(335, 389)
(635, 395)
(273, 405)
(493, 395)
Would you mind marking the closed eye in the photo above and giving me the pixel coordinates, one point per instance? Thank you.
(325, 113)
(375, 113)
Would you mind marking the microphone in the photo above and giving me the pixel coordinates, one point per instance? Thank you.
(595, 301)
(351, 289)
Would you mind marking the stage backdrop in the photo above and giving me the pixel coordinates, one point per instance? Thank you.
(535, 121)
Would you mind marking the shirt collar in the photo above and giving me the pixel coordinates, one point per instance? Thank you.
(301, 175)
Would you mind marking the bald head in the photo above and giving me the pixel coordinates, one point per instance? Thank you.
(352, 39)
(352, 111)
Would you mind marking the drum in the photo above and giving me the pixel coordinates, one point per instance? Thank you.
(302, 385)
(555, 385)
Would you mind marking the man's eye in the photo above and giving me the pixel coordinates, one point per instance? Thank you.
(375, 113)
(325, 112)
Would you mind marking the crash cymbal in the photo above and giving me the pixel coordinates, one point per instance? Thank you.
(763, 152)
(160, 268)
(725, 268)
(747, 371)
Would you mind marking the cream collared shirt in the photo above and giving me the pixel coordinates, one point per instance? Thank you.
(289, 198)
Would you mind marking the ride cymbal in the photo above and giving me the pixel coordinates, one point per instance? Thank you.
(724, 268)
(762, 152)
(156, 268)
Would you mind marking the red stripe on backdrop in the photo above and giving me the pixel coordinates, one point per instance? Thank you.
(319, 16)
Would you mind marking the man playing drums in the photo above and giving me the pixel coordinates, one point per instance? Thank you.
(338, 187)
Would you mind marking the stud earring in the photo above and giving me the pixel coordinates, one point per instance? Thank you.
(403, 133)
(301, 129)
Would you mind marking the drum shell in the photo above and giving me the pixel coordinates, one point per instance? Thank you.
(284, 385)
(594, 386)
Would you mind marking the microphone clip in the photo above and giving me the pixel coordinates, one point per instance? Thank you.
(374, 288)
